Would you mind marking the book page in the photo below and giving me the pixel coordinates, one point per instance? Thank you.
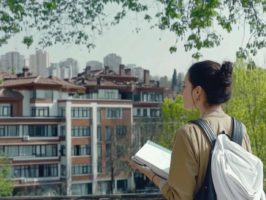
(156, 157)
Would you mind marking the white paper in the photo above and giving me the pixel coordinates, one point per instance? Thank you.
(156, 157)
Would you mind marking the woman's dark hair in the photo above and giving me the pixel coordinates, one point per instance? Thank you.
(214, 78)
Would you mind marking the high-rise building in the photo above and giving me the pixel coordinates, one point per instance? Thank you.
(68, 68)
(138, 72)
(113, 61)
(94, 64)
(54, 70)
(39, 62)
(12, 62)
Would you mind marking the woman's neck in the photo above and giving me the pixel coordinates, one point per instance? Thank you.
(205, 110)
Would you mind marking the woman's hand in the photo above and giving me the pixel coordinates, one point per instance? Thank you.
(142, 169)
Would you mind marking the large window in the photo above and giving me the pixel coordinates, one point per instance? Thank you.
(79, 150)
(40, 111)
(81, 169)
(114, 113)
(81, 112)
(49, 150)
(9, 130)
(108, 94)
(5, 110)
(78, 131)
(35, 171)
(40, 130)
(152, 96)
(81, 189)
(42, 94)
(122, 185)
(155, 112)
(121, 131)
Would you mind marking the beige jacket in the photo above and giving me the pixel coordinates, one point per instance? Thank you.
(190, 157)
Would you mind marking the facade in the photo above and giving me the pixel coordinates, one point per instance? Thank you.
(60, 142)
(39, 62)
(112, 61)
(65, 69)
(12, 62)
(94, 64)
(68, 68)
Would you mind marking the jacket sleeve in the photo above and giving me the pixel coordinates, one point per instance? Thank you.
(183, 169)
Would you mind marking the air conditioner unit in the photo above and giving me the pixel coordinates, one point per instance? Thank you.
(26, 138)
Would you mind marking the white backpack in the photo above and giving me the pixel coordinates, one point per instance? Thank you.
(233, 173)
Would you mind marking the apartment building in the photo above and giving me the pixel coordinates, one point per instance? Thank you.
(146, 94)
(60, 142)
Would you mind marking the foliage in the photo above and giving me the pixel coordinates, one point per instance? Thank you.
(248, 104)
(5, 174)
(192, 21)
(174, 116)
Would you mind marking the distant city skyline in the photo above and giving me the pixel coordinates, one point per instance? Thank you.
(149, 48)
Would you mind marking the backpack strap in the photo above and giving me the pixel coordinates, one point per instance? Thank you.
(207, 190)
(237, 131)
(206, 129)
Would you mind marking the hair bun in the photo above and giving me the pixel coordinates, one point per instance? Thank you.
(225, 73)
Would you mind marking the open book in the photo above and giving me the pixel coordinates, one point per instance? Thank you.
(154, 156)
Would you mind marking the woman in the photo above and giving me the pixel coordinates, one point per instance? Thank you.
(207, 86)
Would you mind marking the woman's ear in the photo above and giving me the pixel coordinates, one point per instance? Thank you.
(197, 93)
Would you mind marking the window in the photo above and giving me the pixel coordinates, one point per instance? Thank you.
(99, 115)
(122, 185)
(121, 131)
(35, 171)
(62, 130)
(108, 150)
(99, 151)
(40, 130)
(108, 94)
(99, 133)
(78, 131)
(114, 113)
(42, 94)
(99, 167)
(5, 110)
(80, 112)
(145, 113)
(81, 169)
(61, 111)
(104, 187)
(40, 111)
(79, 150)
(63, 170)
(155, 112)
(121, 150)
(9, 130)
(81, 189)
(108, 133)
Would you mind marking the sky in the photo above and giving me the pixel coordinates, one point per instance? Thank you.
(149, 48)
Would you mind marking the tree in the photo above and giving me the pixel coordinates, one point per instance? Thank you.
(192, 21)
(174, 81)
(5, 174)
(179, 82)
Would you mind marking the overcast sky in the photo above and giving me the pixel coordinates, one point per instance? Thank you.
(149, 48)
